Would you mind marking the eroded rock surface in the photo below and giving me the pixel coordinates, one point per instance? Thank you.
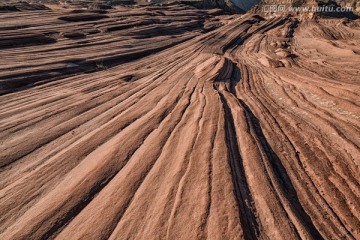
(169, 122)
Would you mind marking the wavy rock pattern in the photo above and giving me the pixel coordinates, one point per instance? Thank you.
(176, 123)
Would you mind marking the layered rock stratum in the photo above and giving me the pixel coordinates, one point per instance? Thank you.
(171, 122)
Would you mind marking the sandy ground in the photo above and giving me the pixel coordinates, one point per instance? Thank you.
(176, 123)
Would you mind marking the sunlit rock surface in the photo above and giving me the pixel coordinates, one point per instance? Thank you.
(170, 122)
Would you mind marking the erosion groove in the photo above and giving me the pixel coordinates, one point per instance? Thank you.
(170, 122)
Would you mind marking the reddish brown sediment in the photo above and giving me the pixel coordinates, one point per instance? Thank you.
(169, 122)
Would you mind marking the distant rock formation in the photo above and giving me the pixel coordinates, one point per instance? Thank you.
(245, 4)
(234, 6)
(227, 5)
